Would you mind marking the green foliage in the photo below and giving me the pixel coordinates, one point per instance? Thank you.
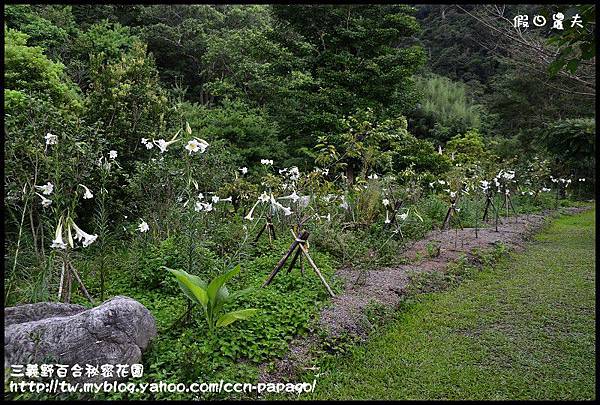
(573, 143)
(444, 110)
(578, 44)
(257, 82)
(29, 72)
(47, 26)
(212, 297)
(127, 98)
(249, 133)
(469, 148)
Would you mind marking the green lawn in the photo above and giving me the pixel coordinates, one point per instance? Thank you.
(522, 330)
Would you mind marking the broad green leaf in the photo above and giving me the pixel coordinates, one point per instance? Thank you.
(237, 294)
(231, 317)
(190, 281)
(218, 282)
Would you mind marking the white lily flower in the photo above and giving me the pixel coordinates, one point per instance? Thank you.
(46, 189)
(144, 141)
(228, 199)
(264, 197)
(545, 190)
(452, 194)
(88, 194)
(215, 199)
(266, 162)
(163, 145)
(294, 197)
(45, 201)
(112, 154)
(244, 170)
(143, 227)
(202, 206)
(404, 216)
(58, 242)
(201, 196)
(373, 176)
(276, 205)
(294, 173)
(83, 237)
(196, 145)
(385, 202)
(249, 216)
(344, 203)
(51, 139)
(149, 145)
(439, 149)
(441, 182)
(387, 218)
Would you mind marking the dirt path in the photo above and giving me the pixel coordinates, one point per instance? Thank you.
(345, 314)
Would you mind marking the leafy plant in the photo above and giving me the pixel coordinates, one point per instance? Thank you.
(213, 296)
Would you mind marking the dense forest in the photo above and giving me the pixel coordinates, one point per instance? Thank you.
(170, 133)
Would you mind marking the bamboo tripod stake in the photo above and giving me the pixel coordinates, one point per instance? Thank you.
(270, 230)
(64, 288)
(299, 244)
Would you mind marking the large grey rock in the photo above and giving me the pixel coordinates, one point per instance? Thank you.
(115, 332)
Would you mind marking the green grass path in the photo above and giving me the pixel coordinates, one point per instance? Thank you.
(522, 330)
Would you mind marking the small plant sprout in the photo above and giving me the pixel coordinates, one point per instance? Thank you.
(212, 297)
(46, 189)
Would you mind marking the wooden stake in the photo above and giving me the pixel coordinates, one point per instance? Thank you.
(298, 251)
(282, 261)
(260, 233)
(62, 280)
(316, 269)
(83, 289)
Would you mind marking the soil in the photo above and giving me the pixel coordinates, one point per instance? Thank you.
(345, 316)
